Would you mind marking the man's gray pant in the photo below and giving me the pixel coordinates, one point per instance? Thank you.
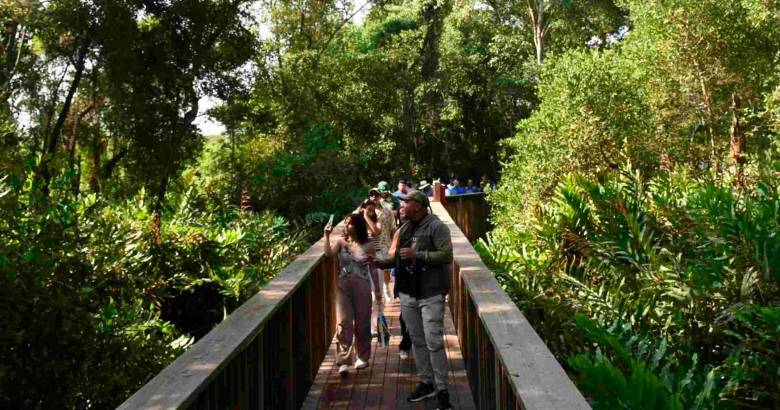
(425, 320)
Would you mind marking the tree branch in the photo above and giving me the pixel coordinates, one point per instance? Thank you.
(108, 169)
(80, 63)
(340, 26)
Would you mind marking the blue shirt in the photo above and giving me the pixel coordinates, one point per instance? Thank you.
(458, 190)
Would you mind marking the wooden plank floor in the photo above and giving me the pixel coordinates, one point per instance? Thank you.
(386, 382)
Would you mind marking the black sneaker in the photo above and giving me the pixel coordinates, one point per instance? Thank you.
(422, 392)
(443, 399)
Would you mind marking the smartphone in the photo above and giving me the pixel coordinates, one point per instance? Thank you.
(329, 225)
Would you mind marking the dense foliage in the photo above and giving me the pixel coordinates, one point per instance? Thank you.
(637, 222)
(672, 282)
(650, 96)
(99, 297)
(117, 249)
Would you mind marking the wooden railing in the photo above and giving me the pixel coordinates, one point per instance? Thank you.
(471, 213)
(508, 364)
(266, 353)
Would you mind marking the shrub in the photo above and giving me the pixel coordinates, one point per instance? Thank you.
(673, 282)
(95, 297)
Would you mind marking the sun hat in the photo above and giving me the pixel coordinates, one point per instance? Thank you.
(423, 184)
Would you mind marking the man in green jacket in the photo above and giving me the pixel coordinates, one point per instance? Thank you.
(421, 252)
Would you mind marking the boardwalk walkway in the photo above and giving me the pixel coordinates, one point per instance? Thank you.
(276, 350)
(386, 382)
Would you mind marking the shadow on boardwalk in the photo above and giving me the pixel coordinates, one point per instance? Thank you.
(386, 382)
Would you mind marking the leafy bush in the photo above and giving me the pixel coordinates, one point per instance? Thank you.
(579, 126)
(316, 177)
(673, 281)
(95, 292)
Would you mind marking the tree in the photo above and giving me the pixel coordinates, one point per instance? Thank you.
(160, 69)
(593, 111)
(711, 62)
(566, 23)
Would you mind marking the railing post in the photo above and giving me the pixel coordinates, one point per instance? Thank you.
(437, 191)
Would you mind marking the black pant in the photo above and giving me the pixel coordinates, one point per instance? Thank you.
(406, 341)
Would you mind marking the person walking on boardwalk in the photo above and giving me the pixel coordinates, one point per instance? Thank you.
(421, 251)
(386, 219)
(369, 212)
(390, 201)
(353, 297)
(388, 198)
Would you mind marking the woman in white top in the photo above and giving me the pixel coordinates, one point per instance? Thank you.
(386, 222)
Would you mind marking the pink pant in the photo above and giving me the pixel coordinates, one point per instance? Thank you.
(353, 310)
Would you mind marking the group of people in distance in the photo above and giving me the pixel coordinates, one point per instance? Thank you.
(395, 234)
(456, 188)
(453, 187)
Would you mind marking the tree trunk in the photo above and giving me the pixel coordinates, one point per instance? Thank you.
(9, 65)
(710, 116)
(408, 116)
(429, 58)
(108, 169)
(45, 173)
(539, 26)
(54, 136)
(95, 156)
(73, 141)
(737, 140)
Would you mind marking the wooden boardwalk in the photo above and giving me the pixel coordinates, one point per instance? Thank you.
(275, 351)
(386, 382)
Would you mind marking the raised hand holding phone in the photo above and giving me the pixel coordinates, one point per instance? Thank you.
(329, 225)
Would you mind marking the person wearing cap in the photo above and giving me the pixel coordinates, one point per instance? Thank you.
(421, 251)
(384, 190)
(387, 225)
(426, 188)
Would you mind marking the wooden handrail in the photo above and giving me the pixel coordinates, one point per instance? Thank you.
(263, 355)
(508, 364)
(267, 352)
(471, 213)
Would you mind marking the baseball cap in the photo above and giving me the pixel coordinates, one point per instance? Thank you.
(417, 196)
(383, 187)
(372, 191)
